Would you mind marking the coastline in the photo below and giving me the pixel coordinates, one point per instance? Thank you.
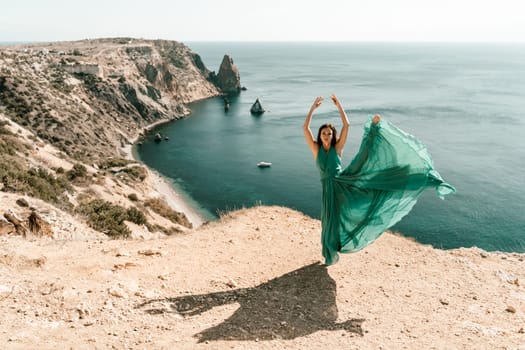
(160, 185)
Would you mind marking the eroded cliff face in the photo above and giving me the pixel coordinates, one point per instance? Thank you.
(91, 97)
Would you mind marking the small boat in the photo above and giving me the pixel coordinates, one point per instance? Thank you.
(158, 137)
(257, 107)
(264, 164)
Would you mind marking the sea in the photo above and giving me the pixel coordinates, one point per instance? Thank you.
(464, 101)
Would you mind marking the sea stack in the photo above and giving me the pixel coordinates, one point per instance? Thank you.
(257, 107)
(228, 79)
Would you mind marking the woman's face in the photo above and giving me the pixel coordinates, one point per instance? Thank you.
(326, 135)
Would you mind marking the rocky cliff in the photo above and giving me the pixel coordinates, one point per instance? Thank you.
(90, 97)
(69, 112)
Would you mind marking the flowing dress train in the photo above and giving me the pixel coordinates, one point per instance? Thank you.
(377, 189)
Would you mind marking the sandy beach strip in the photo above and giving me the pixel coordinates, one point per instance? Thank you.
(159, 184)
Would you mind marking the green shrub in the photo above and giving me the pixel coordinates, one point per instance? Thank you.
(77, 171)
(3, 128)
(46, 186)
(78, 175)
(10, 143)
(162, 208)
(114, 162)
(105, 217)
(136, 172)
(109, 218)
(133, 197)
(35, 182)
(136, 216)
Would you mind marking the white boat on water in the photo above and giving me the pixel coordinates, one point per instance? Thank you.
(264, 164)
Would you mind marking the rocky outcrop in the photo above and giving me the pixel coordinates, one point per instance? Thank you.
(228, 79)
(6, 228)
(38, 226)
(257, 107)
(18, 224)
(86, 108)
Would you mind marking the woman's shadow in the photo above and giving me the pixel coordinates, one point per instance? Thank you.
(296, 304)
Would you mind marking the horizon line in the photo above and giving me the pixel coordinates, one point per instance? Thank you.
(14, 42)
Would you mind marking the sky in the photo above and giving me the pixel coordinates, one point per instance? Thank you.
(265, 20)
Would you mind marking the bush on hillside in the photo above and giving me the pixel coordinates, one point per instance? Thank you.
(10, 143)
(109, 218)
(136, 172)
(3, 128)
(114, 162)
(78, 171)
(78, 175)
(15, 176)
(162, 208)
(136, 216)
(35, 182)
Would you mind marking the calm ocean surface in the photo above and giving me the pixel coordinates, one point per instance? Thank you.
(464, 101)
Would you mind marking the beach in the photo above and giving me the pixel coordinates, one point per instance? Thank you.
(160, 187)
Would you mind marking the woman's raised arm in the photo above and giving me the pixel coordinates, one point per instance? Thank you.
(340, 143)
(310, 139)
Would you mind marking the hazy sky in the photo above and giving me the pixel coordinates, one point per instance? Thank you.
(267, 20)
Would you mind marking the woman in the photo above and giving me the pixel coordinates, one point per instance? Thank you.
(378, 188)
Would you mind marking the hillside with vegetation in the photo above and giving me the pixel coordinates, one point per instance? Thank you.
(69, 113)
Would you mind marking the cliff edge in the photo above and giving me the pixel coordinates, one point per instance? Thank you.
(253, 279)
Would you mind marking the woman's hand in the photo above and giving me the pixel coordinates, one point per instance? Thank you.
(335, 100)
(317, 102)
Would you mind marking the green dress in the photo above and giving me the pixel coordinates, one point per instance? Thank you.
(377, 189)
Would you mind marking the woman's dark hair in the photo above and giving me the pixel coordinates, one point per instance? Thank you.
(334, 134)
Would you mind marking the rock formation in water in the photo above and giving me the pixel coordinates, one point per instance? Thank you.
(257, 107)
(228, 79)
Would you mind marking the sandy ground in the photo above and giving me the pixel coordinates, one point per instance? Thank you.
(253, 280)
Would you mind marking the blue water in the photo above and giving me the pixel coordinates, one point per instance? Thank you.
(464, 101)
